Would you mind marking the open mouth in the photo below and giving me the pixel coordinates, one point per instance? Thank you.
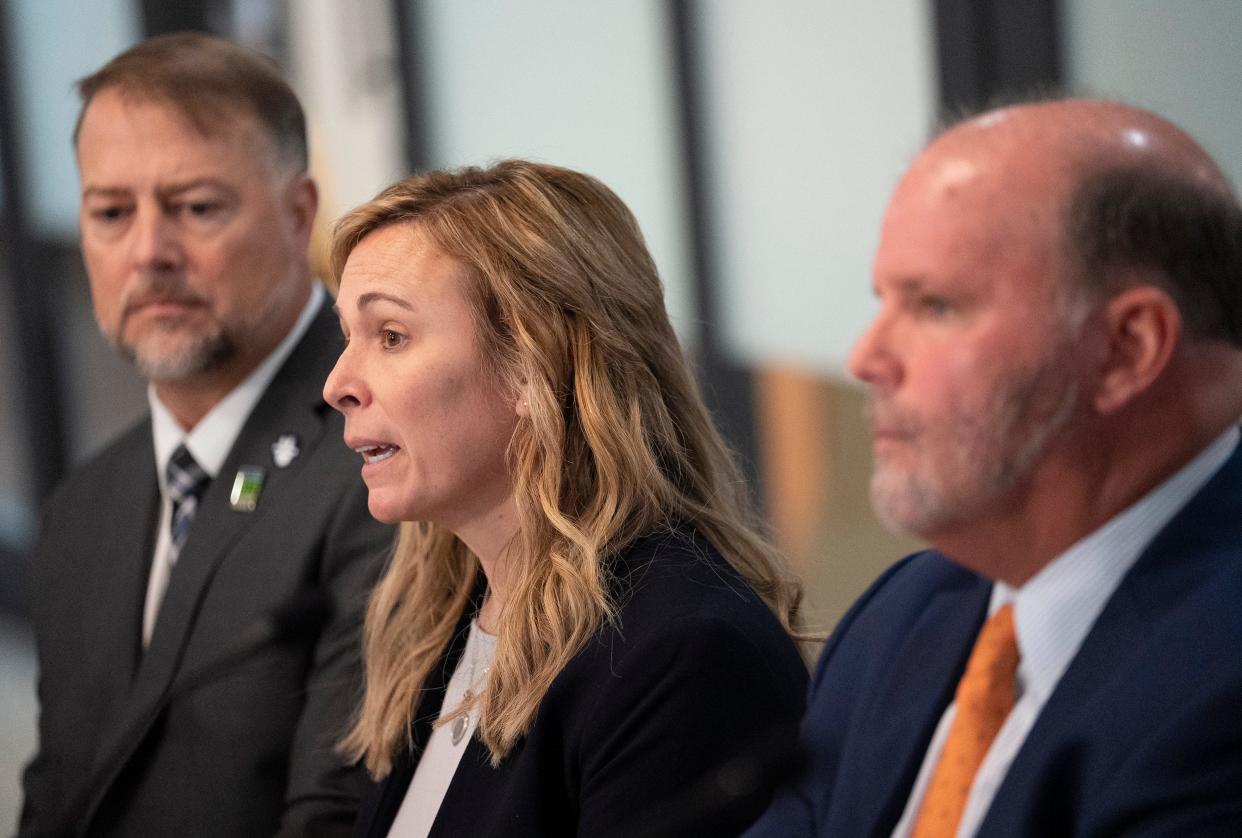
(376, 453)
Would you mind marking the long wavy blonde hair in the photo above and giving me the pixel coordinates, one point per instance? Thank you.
(618, 443)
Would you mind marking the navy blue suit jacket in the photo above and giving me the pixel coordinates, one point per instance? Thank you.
(1142, 735)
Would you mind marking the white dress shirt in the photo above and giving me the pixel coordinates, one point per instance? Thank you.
(440, 758)
(1053, 612)
(209, 442)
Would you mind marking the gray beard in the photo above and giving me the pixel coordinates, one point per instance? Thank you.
(1000, 452)
(203, 355)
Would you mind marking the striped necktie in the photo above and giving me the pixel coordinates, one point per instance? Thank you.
(186, 482)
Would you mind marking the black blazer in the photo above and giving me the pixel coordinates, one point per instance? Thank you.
(632, 728)
(250, 752)
(1142, 736)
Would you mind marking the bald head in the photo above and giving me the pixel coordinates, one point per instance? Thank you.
(1121, 194)
(1077, 136)
(1060, 319)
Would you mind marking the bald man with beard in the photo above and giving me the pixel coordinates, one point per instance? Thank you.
(1056, 380)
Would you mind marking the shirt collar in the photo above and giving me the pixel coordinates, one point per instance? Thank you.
(211, 439)
(1055, 609)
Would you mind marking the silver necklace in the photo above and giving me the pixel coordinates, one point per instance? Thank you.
(461, 724)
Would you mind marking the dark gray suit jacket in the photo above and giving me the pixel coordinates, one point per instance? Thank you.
(124, 749)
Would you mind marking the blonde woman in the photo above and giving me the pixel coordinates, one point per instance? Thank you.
(580, 618)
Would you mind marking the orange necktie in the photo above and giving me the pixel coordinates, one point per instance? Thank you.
(983, 701)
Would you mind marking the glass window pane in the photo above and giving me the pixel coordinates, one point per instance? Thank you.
(581, 83)
(55, 43)
(814, 109)
(1179, 59)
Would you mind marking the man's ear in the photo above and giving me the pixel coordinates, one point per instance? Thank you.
(1143, 327)
(303, 202)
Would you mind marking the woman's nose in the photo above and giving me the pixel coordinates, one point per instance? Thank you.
(344, 388)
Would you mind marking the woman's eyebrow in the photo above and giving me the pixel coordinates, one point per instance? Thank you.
(377, 296)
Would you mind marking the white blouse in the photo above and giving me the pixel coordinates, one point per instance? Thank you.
(448, 742)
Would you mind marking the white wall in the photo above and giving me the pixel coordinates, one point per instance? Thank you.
(1180, 59)
(815, 107)
(344, 67)
(56, 42)
(586, 84)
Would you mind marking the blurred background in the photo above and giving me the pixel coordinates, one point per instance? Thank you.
(756, 141)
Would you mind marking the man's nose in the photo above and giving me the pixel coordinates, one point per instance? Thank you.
(872, 359)
(156, 243)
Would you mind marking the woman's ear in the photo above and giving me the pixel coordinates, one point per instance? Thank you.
(1144, 327)
(521, 404)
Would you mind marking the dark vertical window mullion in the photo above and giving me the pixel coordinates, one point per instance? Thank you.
(413, 95)
(991, 50)
(728, 386)
(37, 357)
(160, 17)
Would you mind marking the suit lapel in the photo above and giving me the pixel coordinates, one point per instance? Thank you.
(292, 404)
(1200, 538)
(119, 574)
(218, 526)
(918, 686)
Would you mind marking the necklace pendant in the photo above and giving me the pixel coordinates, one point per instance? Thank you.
(458, 731)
